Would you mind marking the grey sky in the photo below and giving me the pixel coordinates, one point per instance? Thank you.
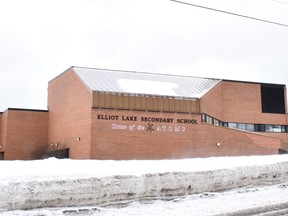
(39, 39)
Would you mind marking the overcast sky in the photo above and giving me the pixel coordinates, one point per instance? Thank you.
(40, 39)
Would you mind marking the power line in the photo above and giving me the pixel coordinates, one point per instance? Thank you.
(230, 13)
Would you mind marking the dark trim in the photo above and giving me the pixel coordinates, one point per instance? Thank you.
(258, 83)
(23, 109)
(268, 85)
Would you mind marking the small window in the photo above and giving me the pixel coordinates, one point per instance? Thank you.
(249, 127)
(216, 122)
(209, 120)
(259, 127)
(204, 118)
(269, 128)
(232, 125)
(277, 128)
(241, 126)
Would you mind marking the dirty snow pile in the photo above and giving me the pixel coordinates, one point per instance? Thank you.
(200, 186)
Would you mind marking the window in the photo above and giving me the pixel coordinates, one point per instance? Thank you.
(277, 128)
(259, 127)
(246, 126)
(241, 126)
(217, 122)
(268, 128)
(204, 119)
(232, 125)
(209, 120)
(273, 128)
(249, 127)
(272, 97)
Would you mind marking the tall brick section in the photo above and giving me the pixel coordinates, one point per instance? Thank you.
(23, 134)
(69, 104)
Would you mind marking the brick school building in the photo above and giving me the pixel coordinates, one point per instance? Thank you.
(121, 115)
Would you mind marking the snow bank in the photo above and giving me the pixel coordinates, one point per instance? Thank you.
(58, 183)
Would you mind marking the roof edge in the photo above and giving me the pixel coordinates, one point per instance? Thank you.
(60, 74)
(251, 82)
(143, 72)
(24, 109)
(214, 86)
(133, 71)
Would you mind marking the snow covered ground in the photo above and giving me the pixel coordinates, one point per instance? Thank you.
(206, 186)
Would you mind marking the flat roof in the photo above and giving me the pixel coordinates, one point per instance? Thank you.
(143, 83)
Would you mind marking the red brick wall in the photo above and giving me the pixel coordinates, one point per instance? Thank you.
(1, 114)
(212, 102)
(235, 142)
(238, 102)
(197, 140)
(24, 134)
(1, 129)
(69, 103)
(4, 118)
(282, 136)
(135, 142)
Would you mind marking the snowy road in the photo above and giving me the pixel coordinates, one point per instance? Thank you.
(262, 201)
(249, 185)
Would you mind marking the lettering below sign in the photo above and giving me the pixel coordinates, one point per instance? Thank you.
(149, 124)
